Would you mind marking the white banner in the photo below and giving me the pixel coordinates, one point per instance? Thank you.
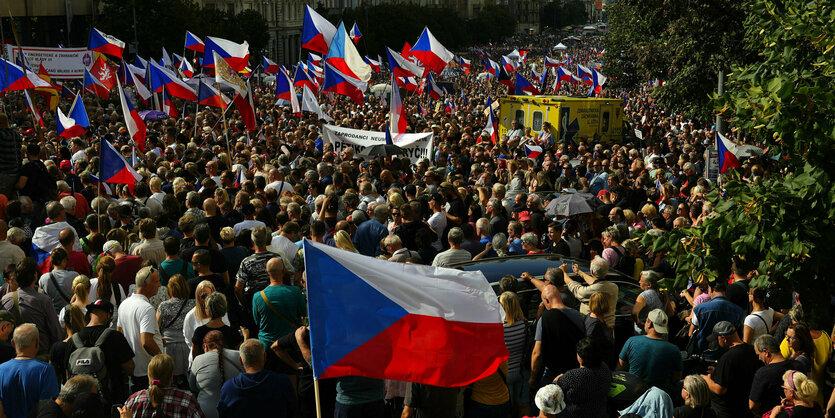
(62, 63)
(417, 146)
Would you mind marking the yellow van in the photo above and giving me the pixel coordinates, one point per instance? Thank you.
(571, 118)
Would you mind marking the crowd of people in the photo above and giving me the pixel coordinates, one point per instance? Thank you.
(183, 295)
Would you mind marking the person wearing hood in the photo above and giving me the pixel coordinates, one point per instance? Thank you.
(258, 389)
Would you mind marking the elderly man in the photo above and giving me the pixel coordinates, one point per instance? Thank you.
(371, 232)
(398, 253)
(595, 282)
(138, 322)
(455, 254)
(33, 306)
(10, 254)
(151, 247)
(62, 406)
(24, 380)
(45, 238)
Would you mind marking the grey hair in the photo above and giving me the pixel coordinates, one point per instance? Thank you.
(216, 305)
(16, 235)
(768, 343)
(482, 223)
(599, 267)
(252, 352)
(68, 202)
(612, 232)
(75, 386)
(392, 239)
(25, 335)
(455, 236)
(530, 238)
(259, 236)
(651, 277)
(500, 244)
(143, 276)
(697, 387)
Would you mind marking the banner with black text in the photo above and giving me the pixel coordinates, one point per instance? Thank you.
(417, 146)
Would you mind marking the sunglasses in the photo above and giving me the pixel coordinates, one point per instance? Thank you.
(395, 214)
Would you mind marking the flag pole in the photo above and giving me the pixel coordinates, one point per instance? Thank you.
(316, 395)
(225, 126)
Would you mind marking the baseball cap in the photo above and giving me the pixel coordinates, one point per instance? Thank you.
(550, 399)
(6, 316)
(65, 165)
(721, 329)
(659, 320)
(524, 216)
(111, 245)
(102, 305)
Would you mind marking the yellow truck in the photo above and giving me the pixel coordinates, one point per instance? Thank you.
(571, 118)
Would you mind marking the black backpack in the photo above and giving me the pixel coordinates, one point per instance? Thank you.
(626, 263)
(90, 360)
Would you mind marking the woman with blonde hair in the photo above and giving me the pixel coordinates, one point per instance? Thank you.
(161, 399)
(343, 241)
(80, 290)
(221, 196)
(696, 395)
(515, 338)
(800, 394)
(197, 316)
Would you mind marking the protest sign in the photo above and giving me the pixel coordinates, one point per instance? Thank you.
(417, 146)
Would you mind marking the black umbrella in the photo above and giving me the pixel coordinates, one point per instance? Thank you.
(570, 204)
(153, 115)
(382, 150)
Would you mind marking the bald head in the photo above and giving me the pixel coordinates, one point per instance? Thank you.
(275, 269)
(66, 237)
(551, 297)
(210, 206)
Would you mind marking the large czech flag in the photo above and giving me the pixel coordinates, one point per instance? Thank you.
(407, 322)
(317, 32)
(339, 83)
(235, 54)
(523, 86)
(302, 79)
(490, 127)
(73, 124)
(553, 63)
(435, 92)
(106, 44)
(269, 66)
(343, 55)
(430, 52)
(194, 43)
(209, 96)
(163, 77)
(114, 168)
(134, 123)
(585, 74)
(727, 153)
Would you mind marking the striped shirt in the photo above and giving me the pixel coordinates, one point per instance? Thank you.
(515, 337)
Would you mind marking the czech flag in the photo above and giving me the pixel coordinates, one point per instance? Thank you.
(355, 33)
(435, 92)
(550, 62)
(285, 90)
(397, 113)
(194, 43)
(114, 168)
(66, 92)
(31, 107)
(128, 75)
(398, 321)
(302, 79)
(168, 105)
(492, 67)
(402, 67)
(598, 80)
(106, 44)
(140, 62)
(12, 78)
(727, 153)
(408, 83)
(532, 151)
(185, 68)
(375, 65)
(269, 67)
(316, 59)
(523, 86)
(339, 83)
(163, 77)
(310, 104)
(317, 32)
(343, 56)
(45, 239)
(507, 64)
(430, 52)
(133, 122)
(504, 78)
(491, 127)
(235, 54)
(585, 74)
(95, 86)
(465, 64)
(209, 96)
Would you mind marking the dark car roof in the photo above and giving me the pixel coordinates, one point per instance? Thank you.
(495, 268)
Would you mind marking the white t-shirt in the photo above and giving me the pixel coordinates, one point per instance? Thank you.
(246, 224)
(138, 316)
(760, 321)
(438, 223)
(94, 289)
(280, 187)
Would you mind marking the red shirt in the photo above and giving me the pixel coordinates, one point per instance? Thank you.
(125, 271)
(82, 207)
(77, 263)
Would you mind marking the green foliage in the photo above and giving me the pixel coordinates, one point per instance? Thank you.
(786, 99)
(558, 15)
(163, 23)
(493, 23)
(683, 42)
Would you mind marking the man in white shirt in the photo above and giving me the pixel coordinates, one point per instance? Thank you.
(277, 182)
(138, 322)
(284, 243)
(10, 254)
(455, 254)
(249, 222)
(438, 219)
(154, 202)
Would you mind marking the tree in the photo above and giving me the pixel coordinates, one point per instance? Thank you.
(558, 14)
(785, 98)
(493, 23)
(683, 42)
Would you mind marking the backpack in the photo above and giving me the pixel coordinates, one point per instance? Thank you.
(90, 360)
(626, 263)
